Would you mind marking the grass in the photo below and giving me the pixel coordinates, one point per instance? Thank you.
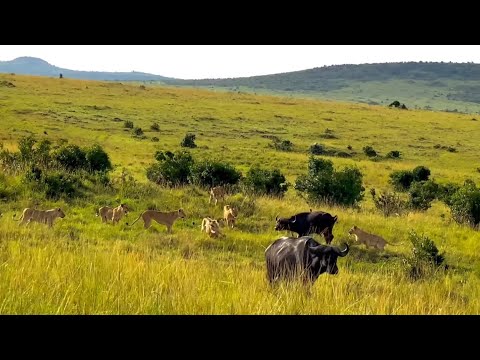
(82, 266)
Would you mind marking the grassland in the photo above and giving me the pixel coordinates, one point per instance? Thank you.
(85, 267)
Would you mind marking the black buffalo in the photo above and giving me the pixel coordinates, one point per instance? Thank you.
(301, 257)
(313, 222)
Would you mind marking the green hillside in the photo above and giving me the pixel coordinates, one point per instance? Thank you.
(439, 86)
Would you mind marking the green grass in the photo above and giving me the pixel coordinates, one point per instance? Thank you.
(85, 267)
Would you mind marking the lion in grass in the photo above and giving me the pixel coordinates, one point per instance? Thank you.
(40, 216)
(211, 227)
(230, 215)
(165, 218)
(114, 214)
(217, 193)
(370, 240)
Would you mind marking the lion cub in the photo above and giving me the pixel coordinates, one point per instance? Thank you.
(230, 215)
(211, 227)
(372, 240)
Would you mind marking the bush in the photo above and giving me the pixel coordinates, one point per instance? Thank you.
(71, 157)
(323, 183)
(171, 169)
(188, 141)
(425, 259)
(155, 139)
(282, 145)
(138, 131)
(422, 194)
(465, 204)
(42, 152)
(59, 185)
(265, 182)
(211, 173)
(401, 180)
(421, 173)
(369, 151)
(394, 154)
(128, 124)
(328, 134)
(25, 146)
(446, 191)
(316, 149)
(319, 165)
(97, 159)
(389, 203)
(155, 127)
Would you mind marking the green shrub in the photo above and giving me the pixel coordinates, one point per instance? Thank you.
(425, 259)
(59, 184)
(282, 145)
(394, 154)
(97, 159)
(369, 151)
(138, 132)
(446, 191)
(421, 173)
(389, 203)
(171, 169)
(71, 157)
(25, 146)
(324, 184)
(465, 204)
(211, 173)
(401, 180)
(155, 139)
(265, 182)
(128, 124)
(188, 141)
(422, 194)
(316, 149)
(155, 127)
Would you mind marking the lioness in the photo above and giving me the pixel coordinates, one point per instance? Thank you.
(165, 218)
(372, 240)
(115, 214)
(211, 227)
(229, 215)
(40, 216)
(216, 193)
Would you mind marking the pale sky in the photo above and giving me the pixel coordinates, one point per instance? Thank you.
(223, 61)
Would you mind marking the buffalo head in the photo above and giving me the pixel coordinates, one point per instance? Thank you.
(284, 223)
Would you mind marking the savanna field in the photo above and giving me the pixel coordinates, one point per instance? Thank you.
(82, 266)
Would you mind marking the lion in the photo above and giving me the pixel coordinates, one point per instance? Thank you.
(40, 216)
(216, 193)
(229, 215)
(372, 240)
(114, 214)
(165, 218)
(211, 227)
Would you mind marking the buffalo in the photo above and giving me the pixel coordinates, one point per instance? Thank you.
(305, 223)
(301, 257)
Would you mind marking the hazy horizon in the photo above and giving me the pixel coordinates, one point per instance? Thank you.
(231, 61)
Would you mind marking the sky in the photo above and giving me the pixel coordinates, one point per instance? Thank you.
(224, 61)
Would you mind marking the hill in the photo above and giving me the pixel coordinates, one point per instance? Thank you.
(83, 266)
(439, 86)
(35, 66)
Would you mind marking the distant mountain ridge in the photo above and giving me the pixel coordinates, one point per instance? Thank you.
(34, 66)
(428, 85)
